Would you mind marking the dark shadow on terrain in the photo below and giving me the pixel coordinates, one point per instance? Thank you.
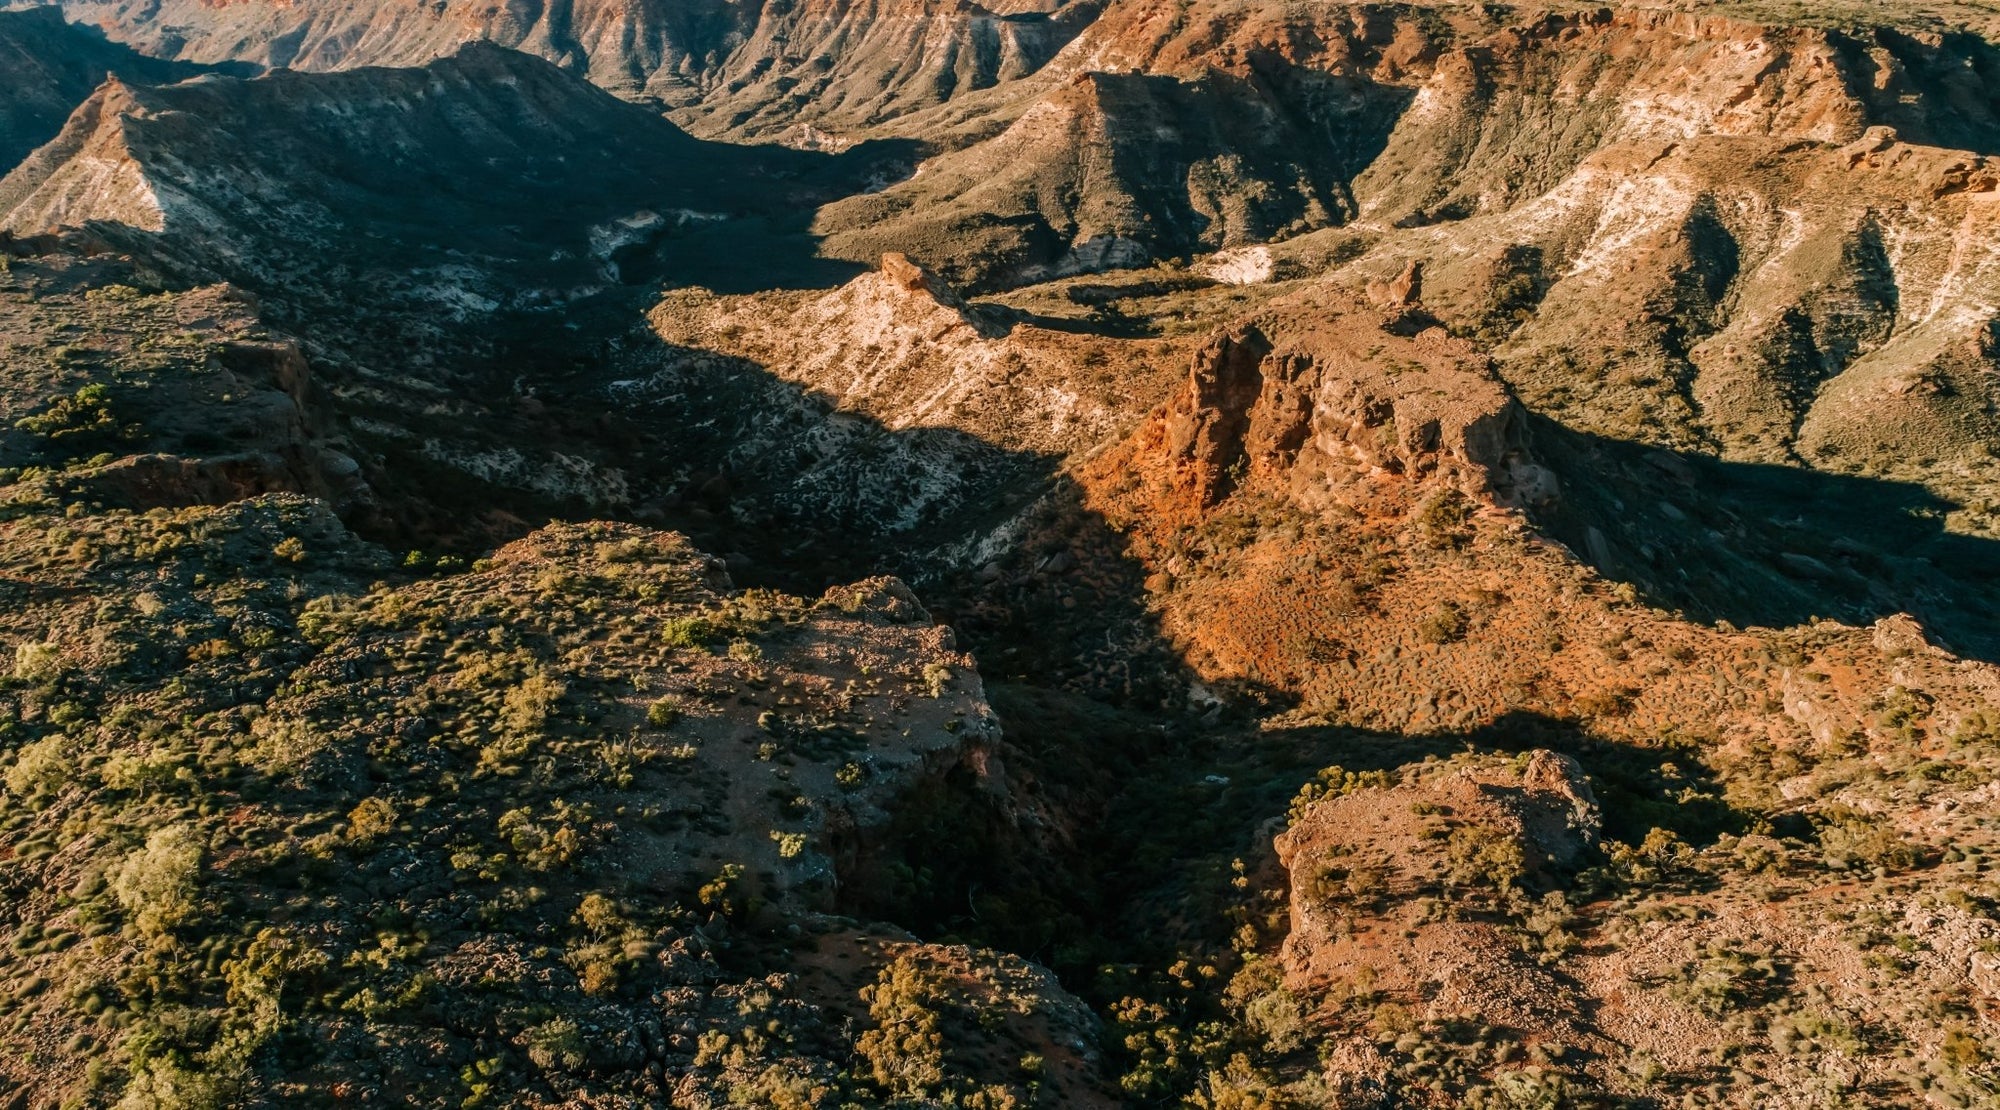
(794, 494)
(792, 491)
(502, 207)
(1160, 814)
(1768, 545)
(1939, 93)
(775, 248)
(730, 219)
(1105, 321)
(1125, 809)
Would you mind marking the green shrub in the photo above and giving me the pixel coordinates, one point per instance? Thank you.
(1445, 623)
(528, 706)
(1724, 980)
(156, 883)
(556, 1045)
(37, 662)
(687, 632)
(1481, 856)
(1442, 520)
(663, 713)
(937, 679)
(40, 769)
(371, 818)
(84, 412)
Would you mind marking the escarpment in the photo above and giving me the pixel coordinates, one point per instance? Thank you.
(1338, 406)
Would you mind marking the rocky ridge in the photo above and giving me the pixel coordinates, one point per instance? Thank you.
(727, 67)
(54, 66)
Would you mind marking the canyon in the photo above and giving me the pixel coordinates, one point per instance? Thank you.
(1217, 553)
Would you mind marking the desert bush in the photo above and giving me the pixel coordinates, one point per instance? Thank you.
(687, 632)
(556, 1045)
(1278, 1017)
(663, 713)
(1545, 929)
(1849, 837)
(284, 746)
(1443, 623)
(723, 893)
(599, 914)
(1815, 1031)
(905, 1051)
(144, 775)
(156, 883)
(937, 679)
(1661, 857)
(82, 413)
(547, 842)
(1482, 856)
(791, 845)
(370, 819)
(40, 769)
(528, 706)
(36, 661)
(1723, 980)
(1335, 781)
(1443, 519)
(169, 1085)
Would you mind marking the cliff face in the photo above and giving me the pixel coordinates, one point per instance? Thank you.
(733, 66)
(1331, 408)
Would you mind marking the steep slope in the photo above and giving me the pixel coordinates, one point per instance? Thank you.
(1451, 938)
(422, 230)
(1509, 623)
(890, 407)
(1112, 171)
(729, 66)
(588, 839)
(1377, 500)
(622, 42)
(1765, 300)
(486, 177)
(1160, 133)
(1503, 119)
(826, 73)
(48, 67)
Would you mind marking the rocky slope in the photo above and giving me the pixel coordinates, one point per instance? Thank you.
(1261, 122)
(1469, 534)
(484, 881)
(50, 67)
(728, 66)
(569, 849)
(890, 407)
(157, 400)
(429, 232)
(1342, 515)
(1109, 172)
(492, 179)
